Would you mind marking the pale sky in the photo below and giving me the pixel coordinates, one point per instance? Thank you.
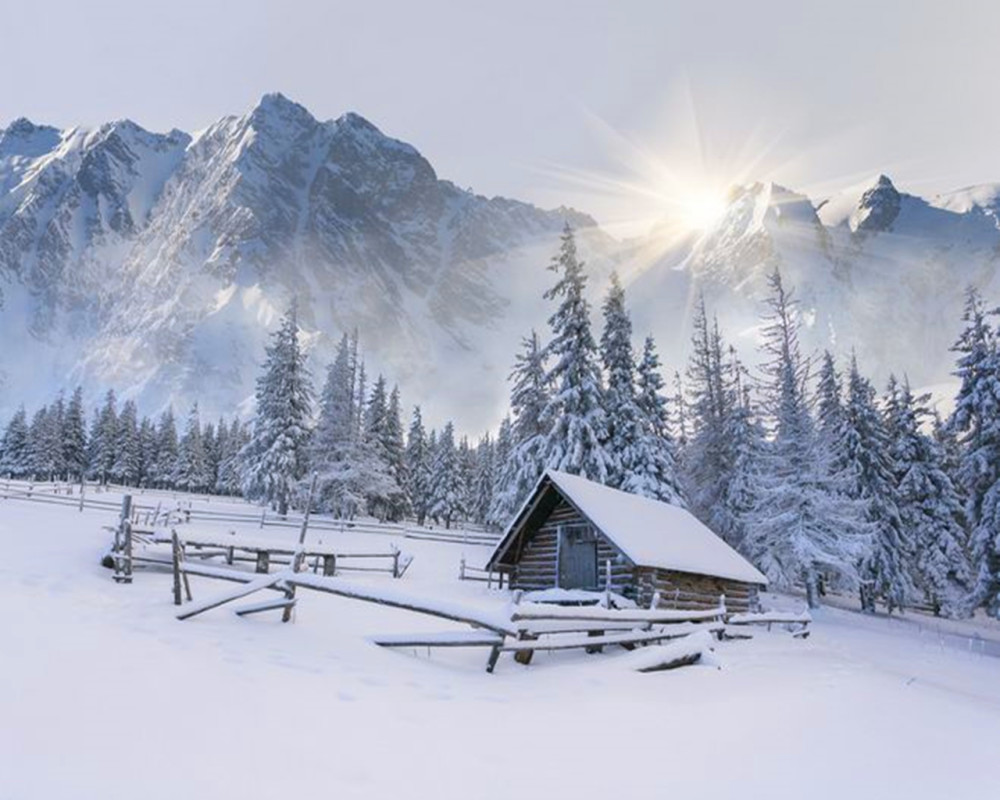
(497, 95)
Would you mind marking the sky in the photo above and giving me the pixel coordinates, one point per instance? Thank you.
(551, 102)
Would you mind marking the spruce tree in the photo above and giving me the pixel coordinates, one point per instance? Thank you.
(14, 452)
(275, 457)
(74, 437)
(574, 415)
(863, 452)
(190, 472)
(654, 473)
(484, 480)
(105, 439)
(418, 468)
(802, 528)
(929, 504)
(166, 450)
(447, 491)
(976, 424)
(524, 463)
(128, 448)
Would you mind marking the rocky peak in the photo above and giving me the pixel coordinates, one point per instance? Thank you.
(877, 209)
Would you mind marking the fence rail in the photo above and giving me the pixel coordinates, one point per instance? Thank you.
(164, 512)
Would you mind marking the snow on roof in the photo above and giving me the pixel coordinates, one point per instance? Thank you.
(653, 534)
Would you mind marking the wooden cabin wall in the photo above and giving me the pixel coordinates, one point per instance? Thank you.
(537, 567)
(688, 591)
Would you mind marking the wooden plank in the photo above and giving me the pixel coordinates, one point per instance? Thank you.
(395, 599)
(633, 638)
(447, 639)
(265, 582)
(266, 605)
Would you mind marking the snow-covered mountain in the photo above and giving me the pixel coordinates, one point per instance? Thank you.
(876, 270)
(157, 263)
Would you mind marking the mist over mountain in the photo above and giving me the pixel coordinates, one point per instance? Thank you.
(157, 263)
(876, 271)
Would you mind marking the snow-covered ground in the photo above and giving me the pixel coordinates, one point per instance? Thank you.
(103, 693)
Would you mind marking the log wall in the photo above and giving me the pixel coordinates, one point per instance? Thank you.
(688, 591)
(537, 567)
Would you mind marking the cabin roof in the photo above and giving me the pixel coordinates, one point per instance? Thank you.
(650, 533)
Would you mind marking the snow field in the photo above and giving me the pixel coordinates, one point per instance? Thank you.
(103, 693)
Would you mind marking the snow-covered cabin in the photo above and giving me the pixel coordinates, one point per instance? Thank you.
(570, 528)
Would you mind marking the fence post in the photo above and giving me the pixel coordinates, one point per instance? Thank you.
(395, 561)
(263, 514)
(176, 559)
(461, 568)
(607, 583)
(123, 543)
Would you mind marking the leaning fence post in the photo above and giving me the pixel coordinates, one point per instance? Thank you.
(395, 561)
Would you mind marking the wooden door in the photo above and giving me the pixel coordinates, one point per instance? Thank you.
(577, 557)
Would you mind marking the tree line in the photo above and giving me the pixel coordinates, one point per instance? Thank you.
(119, 447)
(801, 464)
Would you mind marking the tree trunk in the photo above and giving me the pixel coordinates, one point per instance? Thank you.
(812, 588)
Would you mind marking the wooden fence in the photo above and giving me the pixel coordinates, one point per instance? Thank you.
(165, 512)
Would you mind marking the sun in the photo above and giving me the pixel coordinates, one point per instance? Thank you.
(695, 208)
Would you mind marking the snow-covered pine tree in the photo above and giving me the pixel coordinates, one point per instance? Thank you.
(707, 458)
(829, 399)
(623, 425)
(74, 437)
(929, 505)
(383, 494)
(654, 472)
(802, 529)
(166, 450)
(393, 446)
(574, 416)
(467, 471)
(447, 491)
(190, 473)
(863, 453)
(976, 425)
(484, 479)
(336, 427)
(275, 457)
(147, 449)
(105, 438)
(519, 470)
(418, 468)
(128, 451)
(746, 445)
(15, 452)
(210, 446)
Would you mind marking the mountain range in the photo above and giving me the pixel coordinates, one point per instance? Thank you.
(157, 263)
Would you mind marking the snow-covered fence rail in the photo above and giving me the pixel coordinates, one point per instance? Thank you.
(479, 574)
(265, 553)
(63, 495)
